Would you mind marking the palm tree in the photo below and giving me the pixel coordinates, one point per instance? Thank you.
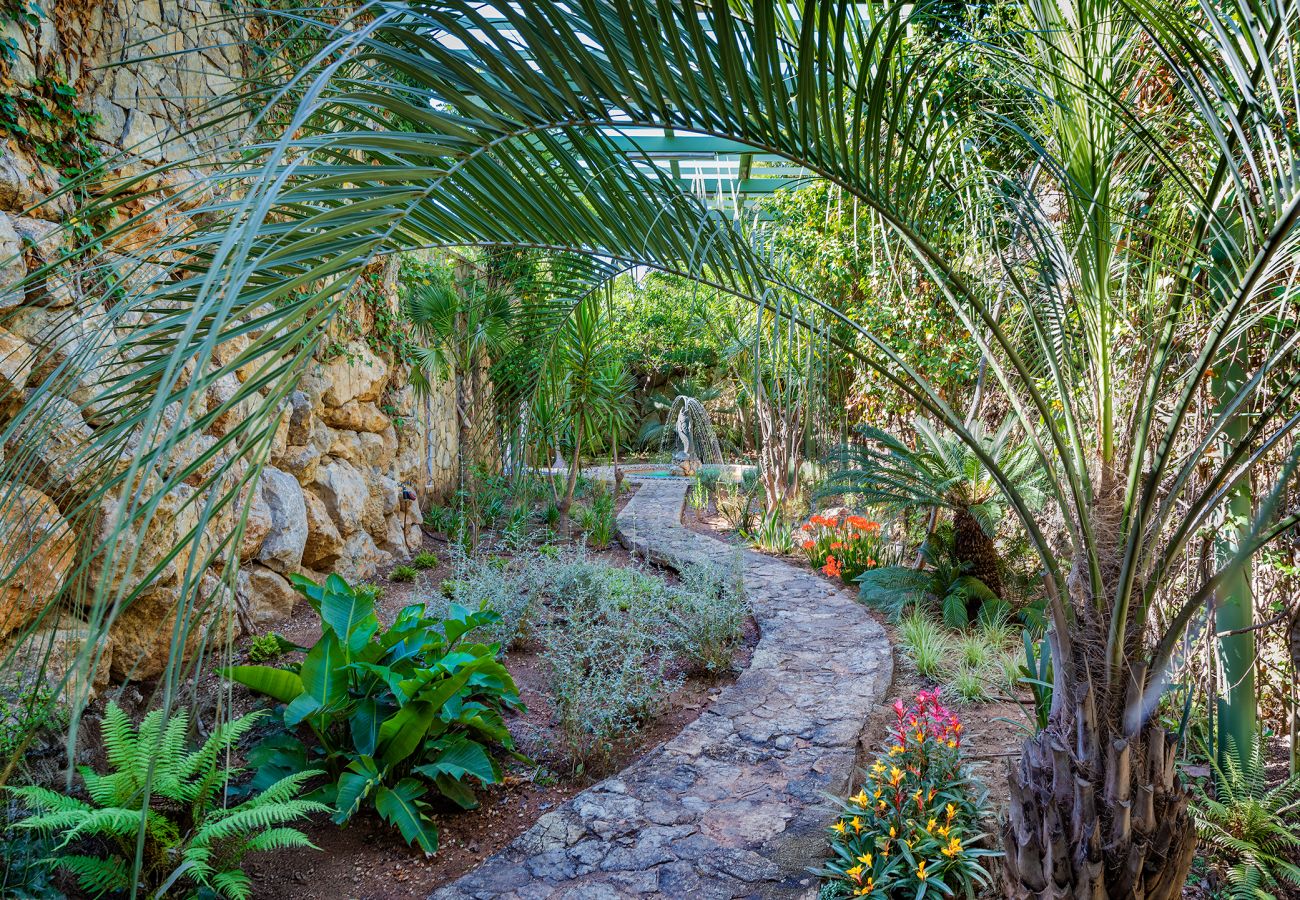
(1162, 135)
(464, 324)
(944, 473)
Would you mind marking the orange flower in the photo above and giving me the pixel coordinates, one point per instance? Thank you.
(837, 545)
(832, 567)
(808, 545)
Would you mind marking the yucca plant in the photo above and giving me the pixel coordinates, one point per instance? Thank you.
(1250, 826)
(1127, 218)
(168, 804)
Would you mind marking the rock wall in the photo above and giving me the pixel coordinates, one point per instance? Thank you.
(355, 453)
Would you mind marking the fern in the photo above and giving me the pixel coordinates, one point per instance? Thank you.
(1248, 824)
(185, 818)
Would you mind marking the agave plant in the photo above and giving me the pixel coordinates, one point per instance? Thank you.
(1122, 258)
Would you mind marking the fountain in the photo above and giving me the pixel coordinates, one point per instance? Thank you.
(696, 443)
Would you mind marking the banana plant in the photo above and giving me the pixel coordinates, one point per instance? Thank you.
(391, 713)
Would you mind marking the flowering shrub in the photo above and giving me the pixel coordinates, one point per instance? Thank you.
(843, 546)
(912, 827)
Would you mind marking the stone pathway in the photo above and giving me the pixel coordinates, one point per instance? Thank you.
(734, 805)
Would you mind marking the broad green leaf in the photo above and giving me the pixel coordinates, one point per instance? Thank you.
(324, 673)
(303, 705)
(365, 727)
(354, 786)
(400, 806)
(459, 756)
(350, 613)
(309, 589)
(404, 731)
(456, 791)
(277, 684)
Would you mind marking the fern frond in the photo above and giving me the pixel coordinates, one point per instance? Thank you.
(278, 839)
(96, 875)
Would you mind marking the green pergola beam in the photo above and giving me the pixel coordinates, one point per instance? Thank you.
(688, 145)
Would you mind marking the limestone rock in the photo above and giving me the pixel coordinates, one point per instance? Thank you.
(16, 359)
(300, 419)
(266, 595)
(356, 416)
(287, 538)
(355, 374)
(141, 548)
(66, 648)
(257, 524)
(344, 491)
(37, 549)
(12, 269)
(324, 543)
(361, 557)
(143, 633)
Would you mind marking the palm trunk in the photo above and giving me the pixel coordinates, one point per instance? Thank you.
(1096, 815)
(1234, 612)
(975, 548)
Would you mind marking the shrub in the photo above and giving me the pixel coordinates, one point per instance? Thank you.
(925, 642)
(843, 546)
(403, 573)
(480, 582)
(940, 585)
(191, 835)
(709, 611)
(269, 646)
(370, 591)
(388, 714)
(912, 828)
(425, 560)
(733, 505)
(609, 649)
(698, 498)
(597, 521)
(1250, 826)
(772, 535)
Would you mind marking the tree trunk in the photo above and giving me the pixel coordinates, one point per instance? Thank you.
(1096, 817)
(972, 546)
(572, 483)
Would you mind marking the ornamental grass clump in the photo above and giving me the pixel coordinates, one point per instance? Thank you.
(843, 546)
(913, 827)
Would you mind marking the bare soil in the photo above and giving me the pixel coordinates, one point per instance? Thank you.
(368, 860)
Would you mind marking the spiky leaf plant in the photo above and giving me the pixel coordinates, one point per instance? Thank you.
(166, 801)
(1250, 825)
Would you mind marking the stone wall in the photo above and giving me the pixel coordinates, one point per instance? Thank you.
(356, 451)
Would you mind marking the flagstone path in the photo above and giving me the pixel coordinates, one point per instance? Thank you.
(734, 805)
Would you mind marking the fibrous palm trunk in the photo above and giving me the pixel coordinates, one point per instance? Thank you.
(1094, 814)
(972, 546)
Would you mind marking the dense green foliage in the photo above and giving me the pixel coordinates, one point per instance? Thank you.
(175, 798)
(388, 713)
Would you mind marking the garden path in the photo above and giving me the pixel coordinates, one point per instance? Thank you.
(735, 805)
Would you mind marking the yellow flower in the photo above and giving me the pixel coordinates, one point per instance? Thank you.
(929, 826)
(920, 871)
(893, 832)
(952, 812)
(861, 799)
(876, 795)
(865, 859)
(855, 873)
(953, 848)
(839, 826)
(856, 822)
(878, 767)
(896, 749)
